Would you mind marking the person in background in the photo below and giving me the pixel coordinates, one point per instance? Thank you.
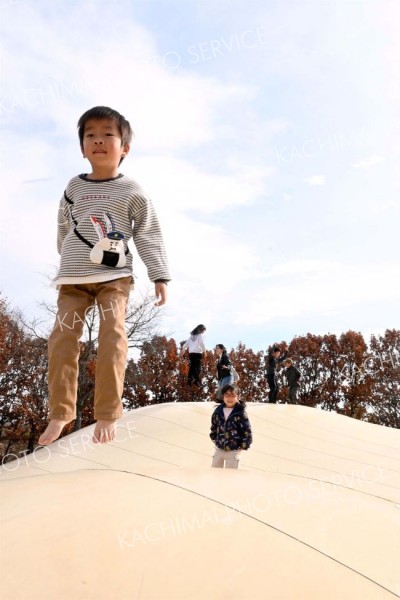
(292, 375)
(230, 429)
(224, 366)
(273, 359)
(196, 347)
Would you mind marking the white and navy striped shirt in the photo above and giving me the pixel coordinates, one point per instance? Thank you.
(132, 214)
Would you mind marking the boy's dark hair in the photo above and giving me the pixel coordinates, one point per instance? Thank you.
(104, 112)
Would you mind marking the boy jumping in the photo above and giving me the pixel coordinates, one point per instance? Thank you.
(98, 215)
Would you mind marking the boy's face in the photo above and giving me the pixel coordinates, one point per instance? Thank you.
(230, 398)
(102, 144)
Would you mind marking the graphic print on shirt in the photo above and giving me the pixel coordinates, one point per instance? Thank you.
(109, 250)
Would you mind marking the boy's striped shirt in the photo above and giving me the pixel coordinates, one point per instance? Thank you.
(132, 214)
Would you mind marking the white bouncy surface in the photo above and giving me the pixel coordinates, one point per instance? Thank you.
(313, 512)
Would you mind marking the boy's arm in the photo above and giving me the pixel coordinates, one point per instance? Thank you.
(149, 243)
(63, 224)
(160, 290)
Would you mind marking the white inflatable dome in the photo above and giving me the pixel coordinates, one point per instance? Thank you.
(313, 512)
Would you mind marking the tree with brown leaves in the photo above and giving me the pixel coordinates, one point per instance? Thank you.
(383, 365)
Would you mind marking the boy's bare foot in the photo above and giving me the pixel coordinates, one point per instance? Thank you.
(52, 432)
(104, 431)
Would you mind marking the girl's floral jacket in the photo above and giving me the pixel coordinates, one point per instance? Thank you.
(235, 432)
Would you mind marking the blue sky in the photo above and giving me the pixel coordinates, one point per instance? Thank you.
(266, 132)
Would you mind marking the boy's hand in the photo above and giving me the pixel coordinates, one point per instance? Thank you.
(161, 293)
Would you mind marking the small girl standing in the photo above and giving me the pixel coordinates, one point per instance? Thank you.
(230, 429)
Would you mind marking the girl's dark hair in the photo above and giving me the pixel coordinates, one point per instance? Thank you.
(199, 329)
(104, 112)
(221, 347)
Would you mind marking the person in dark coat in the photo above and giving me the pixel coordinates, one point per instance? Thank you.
(292, 375)
(273, 359)
(230, 429)
(223, 368)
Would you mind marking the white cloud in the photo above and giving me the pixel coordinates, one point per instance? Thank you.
(368, 162)
(168, 110)
(315, 180)
(298, 267)
(316, 288)
(181, 185)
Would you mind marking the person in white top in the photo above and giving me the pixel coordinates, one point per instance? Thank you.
(195, 345)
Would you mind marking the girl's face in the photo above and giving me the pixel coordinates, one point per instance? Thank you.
(218, 351)
(230, 398)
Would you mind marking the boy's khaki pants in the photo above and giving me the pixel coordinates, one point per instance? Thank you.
(75, 302)
(229, 457)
